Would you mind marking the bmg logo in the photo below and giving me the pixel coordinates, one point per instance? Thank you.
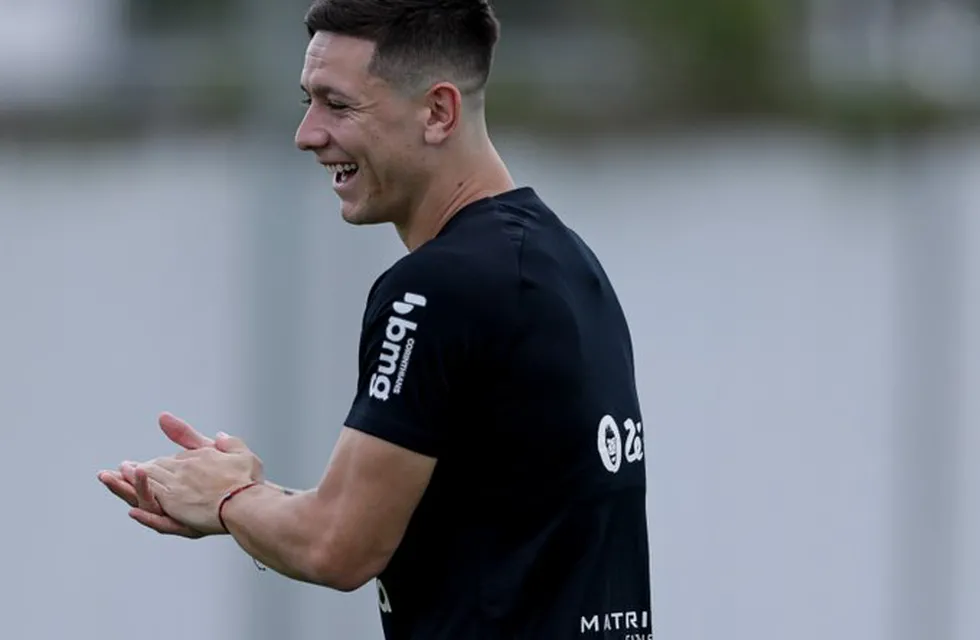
(392, 358)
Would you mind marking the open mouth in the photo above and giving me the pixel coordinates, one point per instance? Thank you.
(342, 173)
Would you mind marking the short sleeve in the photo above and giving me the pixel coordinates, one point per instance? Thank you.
(413, 339)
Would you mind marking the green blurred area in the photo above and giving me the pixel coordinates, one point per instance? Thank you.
(691, 62)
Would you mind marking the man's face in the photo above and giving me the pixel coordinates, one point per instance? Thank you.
(611, 447)
(356, 119)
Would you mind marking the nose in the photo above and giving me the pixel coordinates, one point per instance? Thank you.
(311, 135)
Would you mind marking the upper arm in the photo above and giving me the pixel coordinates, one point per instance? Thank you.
(422, 340)
(417, 345)
(372, 488)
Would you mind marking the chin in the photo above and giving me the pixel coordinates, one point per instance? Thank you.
(353, 214)
(359, 215)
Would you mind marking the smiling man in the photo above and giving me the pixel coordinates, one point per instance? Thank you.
(490, 475)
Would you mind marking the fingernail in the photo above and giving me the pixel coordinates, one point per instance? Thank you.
(222, 434)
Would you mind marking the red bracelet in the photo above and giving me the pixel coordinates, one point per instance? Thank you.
(228, 496)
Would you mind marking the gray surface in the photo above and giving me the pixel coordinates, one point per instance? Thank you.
(761, 275)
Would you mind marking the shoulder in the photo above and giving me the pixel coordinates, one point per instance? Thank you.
(471, 279)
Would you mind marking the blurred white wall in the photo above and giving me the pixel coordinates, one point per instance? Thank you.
(56, 51)
(759, 273)
(120, 280)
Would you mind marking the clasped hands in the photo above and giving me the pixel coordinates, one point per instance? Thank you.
(180, 495)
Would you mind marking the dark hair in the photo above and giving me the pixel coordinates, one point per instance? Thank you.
(417, 39)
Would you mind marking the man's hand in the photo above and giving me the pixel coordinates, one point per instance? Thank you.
(131, 484)
(190, 486)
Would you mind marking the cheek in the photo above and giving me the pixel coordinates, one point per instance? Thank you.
(400, 136)
(390, 155)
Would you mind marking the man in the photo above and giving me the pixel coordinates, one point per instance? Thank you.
(490, 475)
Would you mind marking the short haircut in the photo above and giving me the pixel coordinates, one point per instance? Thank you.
(417, 41)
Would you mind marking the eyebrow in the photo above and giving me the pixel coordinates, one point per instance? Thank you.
(325, 91)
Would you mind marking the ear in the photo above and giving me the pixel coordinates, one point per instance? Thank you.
(444, 107)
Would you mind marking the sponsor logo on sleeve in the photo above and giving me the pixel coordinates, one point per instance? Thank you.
(612, 451)
(396, 350)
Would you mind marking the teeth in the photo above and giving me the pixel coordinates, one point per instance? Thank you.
(336, 168)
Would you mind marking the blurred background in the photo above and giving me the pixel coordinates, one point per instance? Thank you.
(786, 194)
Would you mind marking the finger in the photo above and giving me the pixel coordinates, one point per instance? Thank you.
(123, 490)
(229, 444)
(126, 470)
(183, 434)
(205, 453)
(162, 524)
(145, 498)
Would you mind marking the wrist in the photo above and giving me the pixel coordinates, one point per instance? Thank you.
(229, 496)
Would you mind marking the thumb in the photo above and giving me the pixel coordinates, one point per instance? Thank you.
(229, 444)
(183, 434)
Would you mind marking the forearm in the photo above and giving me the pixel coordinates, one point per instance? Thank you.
(282, 489)
(279, 530)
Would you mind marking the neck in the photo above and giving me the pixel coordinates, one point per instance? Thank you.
(483, 176)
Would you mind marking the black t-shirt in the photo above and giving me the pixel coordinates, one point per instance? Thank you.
(500, 348)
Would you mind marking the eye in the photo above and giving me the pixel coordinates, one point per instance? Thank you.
(306, 101)
(336, 106)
